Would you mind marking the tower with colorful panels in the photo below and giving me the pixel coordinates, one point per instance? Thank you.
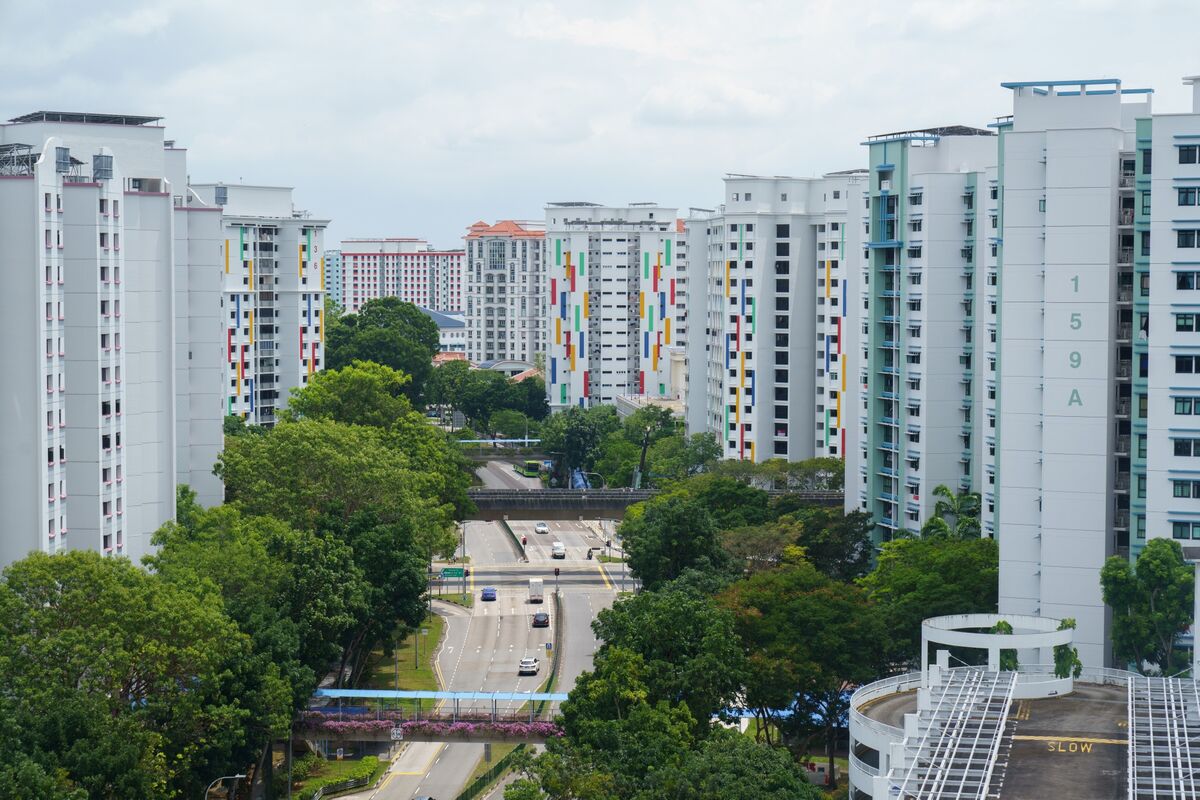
(612, 298)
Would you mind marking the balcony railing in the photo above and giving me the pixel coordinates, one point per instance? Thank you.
(1122, 447)
(1125, 255)
(1125, 217)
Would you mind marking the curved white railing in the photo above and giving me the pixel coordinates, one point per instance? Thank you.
(873, 691)
(857, 763)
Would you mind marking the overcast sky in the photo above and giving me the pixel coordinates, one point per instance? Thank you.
(399, 118)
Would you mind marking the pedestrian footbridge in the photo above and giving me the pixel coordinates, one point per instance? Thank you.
(372, 715)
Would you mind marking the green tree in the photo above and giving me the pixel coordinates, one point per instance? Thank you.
(677, 457)
(837, 544)
(445, 386)
(361, 393)
(387, 331)
(643, 428)
(918, 578)
(954, 515)
(807, 638)
(235, 425)
(511, 424)
(484, 392)
(573, 438)
(1066, 657)
(1151, 603)
(731, 502)
(116, 676)
(672, 533)
(303, 472)
(687, 646)
(617, 460)
(1008, 656)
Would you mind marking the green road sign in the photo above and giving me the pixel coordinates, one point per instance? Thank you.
(452, 572)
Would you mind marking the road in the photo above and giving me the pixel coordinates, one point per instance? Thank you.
(501, 475)
(482, 645)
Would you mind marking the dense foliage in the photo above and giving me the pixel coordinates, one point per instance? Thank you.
(387, 331)
(1152, 605)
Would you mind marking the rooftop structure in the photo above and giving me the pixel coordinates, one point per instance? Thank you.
(85, 118)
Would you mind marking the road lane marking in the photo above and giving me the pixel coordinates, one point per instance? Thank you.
(604, 575)
(428, 764)
(1068, 740)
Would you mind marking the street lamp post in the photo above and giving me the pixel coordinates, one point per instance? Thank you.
(222, 778)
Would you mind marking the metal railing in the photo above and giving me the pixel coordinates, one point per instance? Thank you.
(485, 780)
(873, 691)
(862, 766)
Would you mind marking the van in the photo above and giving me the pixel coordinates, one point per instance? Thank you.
(535, 590)
(558, 550)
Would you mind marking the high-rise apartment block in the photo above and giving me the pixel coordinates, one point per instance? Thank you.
(333, 276)
(505, 302)
(612, 302)
(112, 333)
(405, 268)
(927, 372)
(274, 296)
(1067, 180)
(772, 279)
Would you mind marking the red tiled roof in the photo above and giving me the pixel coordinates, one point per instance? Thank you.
(529, 373)
(505, 227)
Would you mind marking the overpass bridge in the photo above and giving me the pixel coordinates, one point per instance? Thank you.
(380, 715)
(496, 504)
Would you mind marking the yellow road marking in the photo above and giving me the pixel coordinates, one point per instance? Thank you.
(603, 575)
(425, 769)
(1068, 739)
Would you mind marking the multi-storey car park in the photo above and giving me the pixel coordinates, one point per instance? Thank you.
(987, 733)
(608, 274)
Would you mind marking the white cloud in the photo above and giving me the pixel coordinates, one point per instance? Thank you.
(412, 117)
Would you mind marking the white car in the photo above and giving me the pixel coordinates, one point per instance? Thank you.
(528, 666)
(541, 527)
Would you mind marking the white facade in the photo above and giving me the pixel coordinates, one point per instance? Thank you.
(1066, 281)
(452, 330)
(273, 295)
(612, 302)
(926, 373)
(333, 276)
(107, 332)
(405, 268)
(505, 304)
(774, 273)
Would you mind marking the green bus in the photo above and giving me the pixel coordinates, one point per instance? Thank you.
(529, 469)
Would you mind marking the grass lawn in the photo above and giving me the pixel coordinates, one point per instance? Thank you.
(333, 771)
(603, 559)
(385, 672)
(464, 600)
(499, 751)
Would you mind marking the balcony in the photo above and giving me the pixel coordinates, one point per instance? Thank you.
(1121, 482)
(1124, 331)
(1122, 445)
(1121, 519)
(1124, 369)
(1126, 180)
(1125, 217)
(1124, 294)
(1125, 255)
(1122, 409)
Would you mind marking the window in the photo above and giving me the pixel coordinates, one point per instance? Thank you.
(1186, 239)
(783, 231)
(747, 197)
(1187, 197)
(783, 197)
(1188, 153)
(1185, 323)
(1185, 280)
(1186, 365)
(1186, 447)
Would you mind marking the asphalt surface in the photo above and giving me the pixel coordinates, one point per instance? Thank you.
(483, 644)
(501, 475)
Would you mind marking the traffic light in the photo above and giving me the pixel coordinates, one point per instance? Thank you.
(556, 572)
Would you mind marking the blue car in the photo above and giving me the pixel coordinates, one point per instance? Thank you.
(488, 593)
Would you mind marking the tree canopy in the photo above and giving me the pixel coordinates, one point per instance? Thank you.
(387, 331)
(671, 534)
(1152, 605)
(918, 578)
(116, 680)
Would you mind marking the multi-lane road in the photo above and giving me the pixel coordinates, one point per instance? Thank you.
(483, 645)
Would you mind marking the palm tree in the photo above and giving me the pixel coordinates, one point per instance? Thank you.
(954, 515)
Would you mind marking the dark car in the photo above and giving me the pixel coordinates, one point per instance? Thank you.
(488, 593)
(541, 620)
